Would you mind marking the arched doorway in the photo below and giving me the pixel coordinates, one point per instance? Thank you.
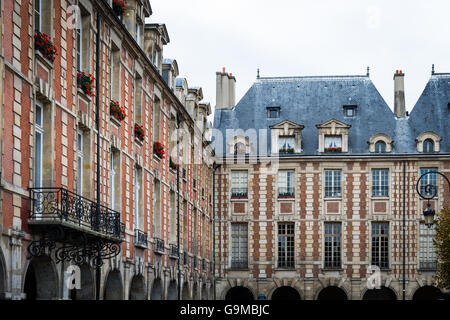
(41, 280)
(239, 293)
(137, 288)
(87, 288)
(185, 292)
(195, 292)
(113, 286)
(427, 293)
(380, 294)
(157, 290)
(332, 293)
(172, 291)
(204, 293)
(2, 274)
(285, 293)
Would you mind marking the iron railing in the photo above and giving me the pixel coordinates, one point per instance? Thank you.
(239, 264)
(286, 191)
(59, 205)
(158, 246)
(428, 265)
(174, 252)
(239, 192)
(140, 238)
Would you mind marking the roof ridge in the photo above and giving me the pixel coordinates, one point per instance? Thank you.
(336, 77)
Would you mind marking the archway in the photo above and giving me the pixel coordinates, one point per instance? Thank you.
(172, 291)
(185, 293)
(239, 293)
(204, 292)
(157, 290)
(2, 274)
(41, 280)
(195, 292)
(332, 293)
(427, 293)
(87, 288)
(383, 293)
(285, 293)
(137, 288)
(113, 286)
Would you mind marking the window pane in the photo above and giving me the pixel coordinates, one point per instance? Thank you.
(285, 143)
(38, 160)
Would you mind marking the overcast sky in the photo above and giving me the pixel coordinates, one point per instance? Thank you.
(297, 38)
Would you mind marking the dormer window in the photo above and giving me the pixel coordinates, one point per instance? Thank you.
(239, 148)
(333, 136)
(273, 112)
(380, 143)
(428, 142)
(349, 111)
(380, 147)
(333, 143)
(286, 137)
(286, 144)
(428, 146)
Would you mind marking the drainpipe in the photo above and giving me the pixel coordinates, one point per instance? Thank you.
(178, 205)
(215, 167)
(404, 229)
(97, 121)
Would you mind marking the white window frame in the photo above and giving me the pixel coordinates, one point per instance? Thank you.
(39, 130)
(335, 139)
(427, 250)
(79, 46)
(239, 245)
(239, 181)
(289, 141)
(80, 157)
(137, 189)
(380, 180)
(112, 181)
(38, 13)
(333, 184)
(286, 181)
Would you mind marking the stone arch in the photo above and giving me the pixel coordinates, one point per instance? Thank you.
(380, 137)
(204, 292)
(384, 293)
(185, 292)
(137, 288)
(285, 293)
(3, 274)
(239, 293)
(87, 283)
(428, 135)
(172, 291)
(332, 293)
(427, 293)
(41, 279)
(157, 290)
(113, 286)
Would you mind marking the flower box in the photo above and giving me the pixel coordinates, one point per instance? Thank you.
(139, 132)
(333, 149)
(117, 111)
(44, 45)
(173, 165)
(286, 150)
(158, 150)
(119, 7)
(86, 83)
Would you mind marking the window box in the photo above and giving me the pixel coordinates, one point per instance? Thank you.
(286, 150)
(239, 193)
(85, 82)
(45, 46)
(115, 121)
(173, 165)
(337, 149)
(158, 149)
(116, 111)
(139, 132)
(119, 7)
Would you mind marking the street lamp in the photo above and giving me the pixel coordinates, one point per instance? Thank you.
(428, 215)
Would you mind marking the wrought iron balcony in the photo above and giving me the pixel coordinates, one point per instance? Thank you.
(239, 264)
(59, 206)
(174, 252)
(286, 192)
(158, 246)
(239, 192)
(428, 265)
(140, 239)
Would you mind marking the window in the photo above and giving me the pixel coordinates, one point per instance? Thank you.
(172, 218)
(332, 183)
(428, 185)
(427, 251)
(138, 100)
(185, 225)
(286, 144)
(157, 229)
(83, 41)
(333, 143)
(139, 223)
(428, 145)
(37, 15)
(286, 183)
(156, 119)
(380, 182)
(80, 158)
(114, 73)
(239, 245)
(138, 31)
(239, 148)
(349, 111)
(380, 147)
(39, 141)
(332, 245)
(239, 184)
(115, 180)
(112, 179)
(286, 245)
(380, 245)
(79, 48)
(273, 113)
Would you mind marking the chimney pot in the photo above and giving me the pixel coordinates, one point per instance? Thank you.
(231, 74)
(223, 70)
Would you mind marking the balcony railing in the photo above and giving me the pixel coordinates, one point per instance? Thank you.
(286, 192)
(174, 252)
(158, 246)
(239, 264)
(63, 207)
(239, 192)
(428, 265)
(140, 238)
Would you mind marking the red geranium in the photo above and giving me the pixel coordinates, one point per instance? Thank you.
(139, 131)
(86, 83)
(43, 43)
(158, 149)
(117, 111)
(119, 7)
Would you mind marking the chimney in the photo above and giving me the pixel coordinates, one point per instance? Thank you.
(225, 90)
(399, 94)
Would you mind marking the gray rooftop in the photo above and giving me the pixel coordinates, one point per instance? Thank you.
(314, 100)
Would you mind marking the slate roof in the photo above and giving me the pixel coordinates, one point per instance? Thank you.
(313, 100)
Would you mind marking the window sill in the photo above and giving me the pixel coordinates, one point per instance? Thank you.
(333, 198)
(238, 198)
(281, 198)
(238, 269)
(83, 94)
(138, 141)
(40, 56)
(331, 269)
(285, 269)
(118, 123)
(141, 245)
(380, 198)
